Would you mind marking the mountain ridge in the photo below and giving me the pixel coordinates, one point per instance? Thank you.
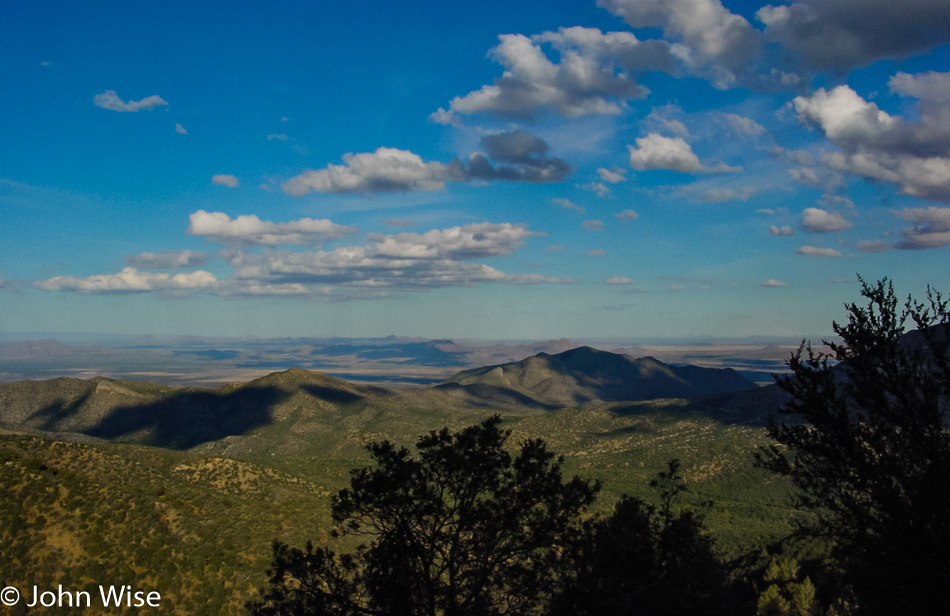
(303, 400)
(585, 375)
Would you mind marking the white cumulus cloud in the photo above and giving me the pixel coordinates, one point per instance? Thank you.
(594, 74)
(386, 169)
(931, 228)
(521, 157)
(716, 42)
(472, 241)
(877, 145)
(249, 229)
(930, 86)
(130, 280)
(394, 263)
(658, 152)
(817, 220)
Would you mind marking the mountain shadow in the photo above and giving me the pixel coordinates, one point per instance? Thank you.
(137, 411)
(332, 394)
(151, 414)
(751, 408)
(187, 419)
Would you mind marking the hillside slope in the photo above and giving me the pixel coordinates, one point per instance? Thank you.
(585, 375)
(158, 415)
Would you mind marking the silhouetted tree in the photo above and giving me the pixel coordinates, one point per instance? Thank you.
(646, 561)
(872, 456)
(464, 528)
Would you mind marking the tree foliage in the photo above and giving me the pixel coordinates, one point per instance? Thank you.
(872, 454)
(646, 561)
(463, 528)
(787, 593)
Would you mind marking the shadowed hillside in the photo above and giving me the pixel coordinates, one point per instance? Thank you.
(151, 414)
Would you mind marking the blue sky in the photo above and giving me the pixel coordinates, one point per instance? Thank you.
(621, 168)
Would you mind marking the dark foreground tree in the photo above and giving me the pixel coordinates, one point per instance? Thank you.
(464, 528)
(872, 456)
(646, 561)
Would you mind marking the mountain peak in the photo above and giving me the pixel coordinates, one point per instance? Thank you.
(586, 374)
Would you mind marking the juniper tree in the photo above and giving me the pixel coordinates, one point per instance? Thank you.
(869, 448)
(645, 560)
(463, 528)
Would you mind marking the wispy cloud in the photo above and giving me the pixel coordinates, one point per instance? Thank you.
(567, 204)
(815, 251)
(111, 101)
(170, 259)
(224, 179)
(744, 126)
(722, 195)
(612, 176)
(780, 231)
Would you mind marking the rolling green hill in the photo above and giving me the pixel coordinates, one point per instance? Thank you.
(182, 490)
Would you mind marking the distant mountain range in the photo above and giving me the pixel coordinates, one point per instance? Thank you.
(159, 415)
(394, 361)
